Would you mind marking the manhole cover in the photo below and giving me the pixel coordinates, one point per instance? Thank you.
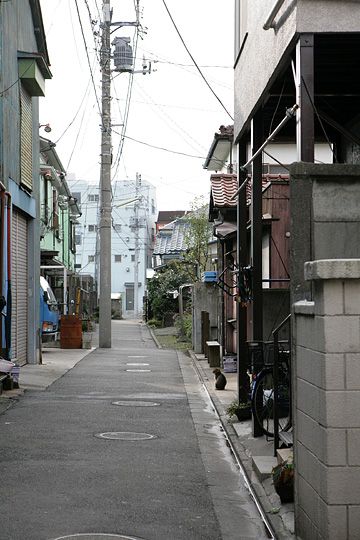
(136, 403)
(138, 370)
(97, 536)
(125, 436)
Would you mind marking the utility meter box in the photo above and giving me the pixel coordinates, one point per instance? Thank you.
(123, 54)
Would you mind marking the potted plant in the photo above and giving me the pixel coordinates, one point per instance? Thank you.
(241, 410)
(283, 479)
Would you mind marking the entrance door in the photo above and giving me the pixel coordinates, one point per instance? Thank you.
(129, 299)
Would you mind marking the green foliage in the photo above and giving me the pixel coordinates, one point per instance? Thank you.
(154, 323)
(184, 324)
(168, 279)
(235, 406)
(197, 237)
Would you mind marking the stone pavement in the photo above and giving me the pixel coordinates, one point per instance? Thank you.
(256, 455)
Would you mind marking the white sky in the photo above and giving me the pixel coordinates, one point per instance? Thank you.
(170, 108)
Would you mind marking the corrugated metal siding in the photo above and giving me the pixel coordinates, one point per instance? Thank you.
(19, 263)
(26, 139)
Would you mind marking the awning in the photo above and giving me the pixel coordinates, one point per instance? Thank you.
(225, 229)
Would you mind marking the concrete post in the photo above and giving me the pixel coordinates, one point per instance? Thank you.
(327, 420)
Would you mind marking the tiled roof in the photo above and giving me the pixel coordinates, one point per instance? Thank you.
(223, 187)
(169, 215)
(171, 238)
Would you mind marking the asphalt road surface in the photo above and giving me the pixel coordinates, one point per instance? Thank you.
(124, 445)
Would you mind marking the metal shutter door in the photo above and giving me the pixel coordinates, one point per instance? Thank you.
(19, 333)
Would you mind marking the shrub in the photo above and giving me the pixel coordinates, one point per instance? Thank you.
(154, 323)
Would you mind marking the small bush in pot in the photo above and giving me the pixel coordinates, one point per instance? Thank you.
(283, 479)
(241, 410)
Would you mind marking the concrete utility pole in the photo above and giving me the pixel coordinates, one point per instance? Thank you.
(105, 185)
(137, 245)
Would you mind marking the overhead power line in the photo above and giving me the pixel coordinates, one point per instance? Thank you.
(160, 147)
(195, 63)
(87, 56)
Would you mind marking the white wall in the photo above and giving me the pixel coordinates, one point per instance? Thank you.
(123, 235)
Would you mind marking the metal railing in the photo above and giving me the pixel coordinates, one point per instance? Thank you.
(276, 381)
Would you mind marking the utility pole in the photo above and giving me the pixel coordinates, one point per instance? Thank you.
(105, 184)
(123, 60)
(137, 246)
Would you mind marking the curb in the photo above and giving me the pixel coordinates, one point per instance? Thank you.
(262, 500)
(154, 337)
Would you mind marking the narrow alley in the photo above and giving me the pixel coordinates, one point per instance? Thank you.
(126, 444)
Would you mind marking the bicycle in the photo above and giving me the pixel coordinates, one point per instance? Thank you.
(262, 394)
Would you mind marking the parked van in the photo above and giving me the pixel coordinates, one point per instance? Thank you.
(49, 312)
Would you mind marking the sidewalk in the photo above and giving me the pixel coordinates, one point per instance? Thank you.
(55, 363)
(256, 455)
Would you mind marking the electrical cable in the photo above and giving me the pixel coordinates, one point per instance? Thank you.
(127, 106)
(195, 63)
(77, 112)
(161, 148)
(319, 119)
(179, 128)
(277, 107)
(17, 80)
(88, 59)
(92, 24)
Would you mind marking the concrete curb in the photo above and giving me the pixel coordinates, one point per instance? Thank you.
(242, 454)
(154, 337)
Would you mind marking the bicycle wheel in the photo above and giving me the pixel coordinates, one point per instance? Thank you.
(262, 400)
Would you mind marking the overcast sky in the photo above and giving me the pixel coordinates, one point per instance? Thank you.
(171, 108)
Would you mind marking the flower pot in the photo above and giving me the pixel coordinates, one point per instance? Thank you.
(243, 413)
(285, 492)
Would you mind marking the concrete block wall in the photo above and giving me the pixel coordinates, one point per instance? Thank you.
(325, 218)
(204, 298)
(327, 403)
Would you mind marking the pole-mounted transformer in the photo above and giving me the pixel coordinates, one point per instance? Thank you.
(123, 55)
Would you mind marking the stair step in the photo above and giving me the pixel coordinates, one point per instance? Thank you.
(284, 455)
(286, 437)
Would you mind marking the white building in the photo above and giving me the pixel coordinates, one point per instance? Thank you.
(133, 232)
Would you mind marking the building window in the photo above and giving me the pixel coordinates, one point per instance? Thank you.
(132, 258)
(153, 209)
(26, 140)
(92, 228)
(91, 258)
(117, 258)
(78, 239)
(93, 197)
(77, 265)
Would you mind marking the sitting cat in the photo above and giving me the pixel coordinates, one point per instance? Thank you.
(220, 379)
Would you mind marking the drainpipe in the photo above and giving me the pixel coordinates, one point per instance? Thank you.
(275, 10)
